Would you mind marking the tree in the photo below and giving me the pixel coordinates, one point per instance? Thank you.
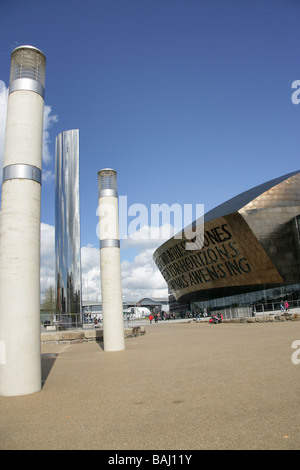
(49, 304)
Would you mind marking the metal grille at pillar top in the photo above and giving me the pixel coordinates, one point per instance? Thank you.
(107, 182)
(28, 62)
(107, 179)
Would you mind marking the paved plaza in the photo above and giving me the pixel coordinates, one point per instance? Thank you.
(181, 386)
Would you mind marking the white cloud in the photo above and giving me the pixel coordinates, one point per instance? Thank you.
(49, 120)
(47, 273)
(47, 176)
(141, 278)
(90, 267)
(149, 237)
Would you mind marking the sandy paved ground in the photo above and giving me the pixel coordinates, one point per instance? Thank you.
(180, 386)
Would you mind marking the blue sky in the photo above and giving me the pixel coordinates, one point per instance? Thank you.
(189, 100)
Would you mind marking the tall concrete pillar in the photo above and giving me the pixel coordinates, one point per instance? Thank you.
(20, 358)
(110, 262)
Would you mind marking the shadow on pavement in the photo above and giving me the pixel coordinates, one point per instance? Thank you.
(47, 364)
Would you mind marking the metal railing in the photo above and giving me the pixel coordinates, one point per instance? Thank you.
(83, 320)
(62, 322)
(258, 309)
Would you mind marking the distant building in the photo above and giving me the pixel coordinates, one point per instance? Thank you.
(250, 254)
(140, 308)
(67, 223)
(156, 305)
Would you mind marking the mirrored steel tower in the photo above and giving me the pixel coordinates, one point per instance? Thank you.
(67, 224)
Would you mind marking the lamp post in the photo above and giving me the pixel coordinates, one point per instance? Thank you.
(110, 263)
(20, 361)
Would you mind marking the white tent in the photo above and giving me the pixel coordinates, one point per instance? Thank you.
(138, 312)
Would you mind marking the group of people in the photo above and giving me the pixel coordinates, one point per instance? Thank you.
(163, 316)
(285, 307)
(171, 315)
(216, 318)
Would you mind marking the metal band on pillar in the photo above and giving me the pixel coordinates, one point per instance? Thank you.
(27, 84)
(108, 193)
(109, 243)
(21, 171)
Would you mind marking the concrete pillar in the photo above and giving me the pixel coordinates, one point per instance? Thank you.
(20, 359)
(110, 263)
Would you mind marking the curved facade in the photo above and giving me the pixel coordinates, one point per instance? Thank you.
(250, 251)
(67, 223)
